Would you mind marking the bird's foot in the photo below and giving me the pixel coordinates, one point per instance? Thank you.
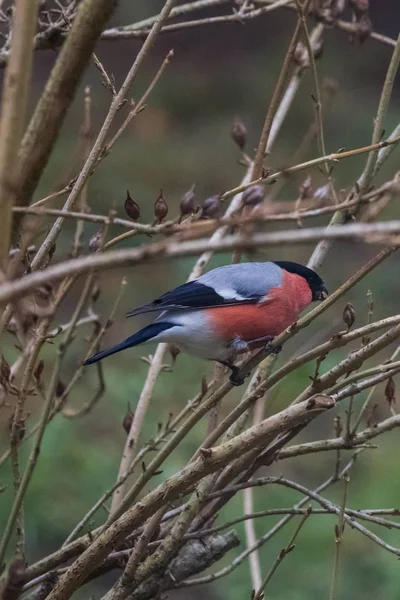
(235, 378)
(270, 349)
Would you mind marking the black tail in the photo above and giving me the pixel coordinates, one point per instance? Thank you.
(144, 335)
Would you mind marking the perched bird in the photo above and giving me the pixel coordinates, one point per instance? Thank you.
(228, 311)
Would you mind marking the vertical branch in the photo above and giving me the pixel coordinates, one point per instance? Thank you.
(282, 554)
(59, 92)
(291, 91)
(24, 482)
(13, 111)
(133, 435)
(18, 419)
(378, 131)
(155, 368)
(365, 178)
(86, 137)
(311, 58)
(339, 528)
(251, 538)
(126, 582)
(99, 144)
(273, 106)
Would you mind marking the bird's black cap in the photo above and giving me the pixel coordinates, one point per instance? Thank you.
(317, 285)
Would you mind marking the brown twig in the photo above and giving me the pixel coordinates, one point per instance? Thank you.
(13, 111)
(59, 91)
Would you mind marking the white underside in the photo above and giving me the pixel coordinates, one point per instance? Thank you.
(194, 336)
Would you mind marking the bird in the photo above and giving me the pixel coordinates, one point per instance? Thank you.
(227, 311)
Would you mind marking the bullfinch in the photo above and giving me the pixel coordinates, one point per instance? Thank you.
(228, 311)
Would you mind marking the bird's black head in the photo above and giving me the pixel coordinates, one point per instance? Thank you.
(317, 286)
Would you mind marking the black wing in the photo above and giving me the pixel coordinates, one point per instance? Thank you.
(189, 296)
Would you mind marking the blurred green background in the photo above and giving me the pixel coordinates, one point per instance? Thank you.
(183, 137)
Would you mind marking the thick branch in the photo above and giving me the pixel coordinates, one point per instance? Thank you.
(13, 111)
(59, 92)
(134, 256)
(252, 438)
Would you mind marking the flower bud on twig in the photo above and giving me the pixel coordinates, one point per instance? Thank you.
(239, 133)
(132, 208)
(128, 419)
(211, 208)
(349, 315)
(253, 195)
(390, 391)
(187, 204)
(160, 208)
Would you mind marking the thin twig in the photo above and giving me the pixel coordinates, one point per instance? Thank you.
(339, 529)
(365, 178)
(273, 106)
(282, 554)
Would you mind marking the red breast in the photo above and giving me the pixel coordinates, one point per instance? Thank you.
(250, 321)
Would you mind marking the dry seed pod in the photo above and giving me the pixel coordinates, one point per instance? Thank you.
(253, 195)
(187, 205)
(211, 208)
(132, 208)
(349, 315)
(128, 419)
(160, 208)
(390, 391)
(239, 133)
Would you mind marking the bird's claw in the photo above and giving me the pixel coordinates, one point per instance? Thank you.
(235, 379)
(271, 349)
